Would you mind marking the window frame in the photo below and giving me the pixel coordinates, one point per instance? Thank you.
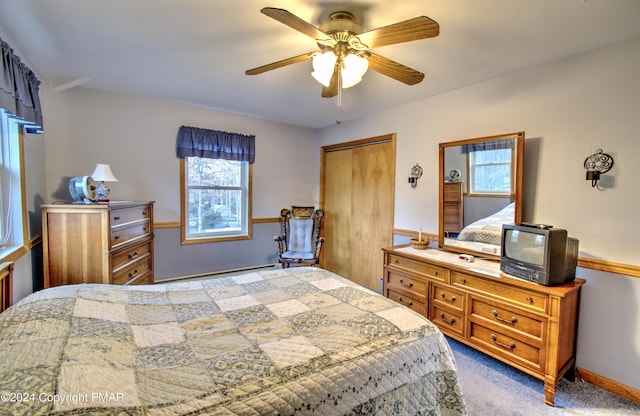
(17, 246)
(184, 214)
(471, 173)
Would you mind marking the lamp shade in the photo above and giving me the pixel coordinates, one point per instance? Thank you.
(103, 173)
(323, 65)
(354, 68)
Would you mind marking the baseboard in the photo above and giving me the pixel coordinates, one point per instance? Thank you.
(608, 385)
(218, 273)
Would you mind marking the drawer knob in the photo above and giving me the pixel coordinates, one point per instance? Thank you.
(116, 218)
(511, 345)
(133, 255)
(435, 273)
(404, 284)
(449, 321)
(463, 281)
(116, 237)
(530, 300)
(511, 321)
(403, 301)
(133, 274)
(444, 296)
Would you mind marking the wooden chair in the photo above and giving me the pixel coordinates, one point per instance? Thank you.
(300, 242)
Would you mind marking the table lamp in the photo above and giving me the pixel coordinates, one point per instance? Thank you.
(103, 174)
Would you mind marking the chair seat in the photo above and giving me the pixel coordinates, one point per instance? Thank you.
(298, 255)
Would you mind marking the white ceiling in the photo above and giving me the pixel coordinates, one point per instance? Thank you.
(196, 51)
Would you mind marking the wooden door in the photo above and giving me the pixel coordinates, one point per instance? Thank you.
(357, 194)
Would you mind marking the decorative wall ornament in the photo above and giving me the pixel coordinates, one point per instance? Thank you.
(416, 173)
(597, 164)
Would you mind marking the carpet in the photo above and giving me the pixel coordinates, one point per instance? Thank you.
(491, 387)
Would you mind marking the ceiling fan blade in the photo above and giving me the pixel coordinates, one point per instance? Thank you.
(332, 89)
(280, 64)
(394, 70)
(413, 29)
(294, 22)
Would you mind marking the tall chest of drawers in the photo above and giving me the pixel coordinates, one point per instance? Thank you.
(528, 326)
(99, 243)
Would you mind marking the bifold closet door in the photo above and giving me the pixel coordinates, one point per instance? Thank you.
(357, 190)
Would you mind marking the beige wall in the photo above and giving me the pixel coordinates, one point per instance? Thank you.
(566, 108)
(137, 138)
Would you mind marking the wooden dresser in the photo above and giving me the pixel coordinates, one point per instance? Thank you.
(6, 285)
(528, 326)
(98, 243)
(453, 207)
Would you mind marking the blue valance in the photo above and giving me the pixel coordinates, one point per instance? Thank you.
(490, 145)
(19, 90)
(214, 144)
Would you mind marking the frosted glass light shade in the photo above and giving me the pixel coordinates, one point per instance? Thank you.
(354, 68)
(351, 71)
(323, 65)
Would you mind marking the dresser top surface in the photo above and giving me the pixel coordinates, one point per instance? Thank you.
(486, 268)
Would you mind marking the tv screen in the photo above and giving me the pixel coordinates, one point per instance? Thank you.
(525, 246)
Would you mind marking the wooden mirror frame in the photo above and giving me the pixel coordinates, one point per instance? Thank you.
(516, 195)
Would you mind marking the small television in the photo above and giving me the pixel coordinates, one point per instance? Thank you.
(538, 253)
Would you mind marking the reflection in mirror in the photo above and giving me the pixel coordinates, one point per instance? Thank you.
(480, 189)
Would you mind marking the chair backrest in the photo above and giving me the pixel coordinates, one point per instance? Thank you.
(301, 227)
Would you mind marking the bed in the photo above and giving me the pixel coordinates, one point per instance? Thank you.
(488, 229)
(275, 342)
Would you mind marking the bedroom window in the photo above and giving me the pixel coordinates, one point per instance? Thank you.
(217, 197)
(215, 184)
(490, 172)
(11, 234)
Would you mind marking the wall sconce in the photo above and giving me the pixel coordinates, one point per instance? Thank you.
(416, 173)
(597, 164)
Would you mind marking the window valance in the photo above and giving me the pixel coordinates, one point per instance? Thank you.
(491, 145)
(19, 88)
(214, 144)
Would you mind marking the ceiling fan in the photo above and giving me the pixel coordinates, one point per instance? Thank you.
(345, 53)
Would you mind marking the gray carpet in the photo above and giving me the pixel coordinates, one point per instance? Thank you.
(493, 388)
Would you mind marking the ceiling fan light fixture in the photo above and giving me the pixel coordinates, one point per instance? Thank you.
(354, 68)
(323, 65)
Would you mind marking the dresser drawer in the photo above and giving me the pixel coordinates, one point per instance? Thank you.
(417, 287)
(504, 345)
(507, 318)
(446, 320)
(429, 270)
(130, 254)
(528, 299)
(122, 216)
(126, 234)
(408, 301)
(445, 295)
(133, 271)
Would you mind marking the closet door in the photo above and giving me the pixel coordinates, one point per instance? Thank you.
(357, 194)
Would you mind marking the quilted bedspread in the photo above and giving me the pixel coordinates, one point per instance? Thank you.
(275, 342)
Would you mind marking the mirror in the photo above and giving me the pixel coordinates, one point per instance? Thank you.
(480, 189)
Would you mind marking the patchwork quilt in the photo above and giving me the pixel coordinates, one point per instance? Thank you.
(292, 341)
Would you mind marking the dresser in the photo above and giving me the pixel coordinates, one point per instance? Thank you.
(453, 208)
(528, 326)
(6, 285)
(98, 243)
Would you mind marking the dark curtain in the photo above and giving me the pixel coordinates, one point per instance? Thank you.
(19, 89)
(492, 145)
(214, 144)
